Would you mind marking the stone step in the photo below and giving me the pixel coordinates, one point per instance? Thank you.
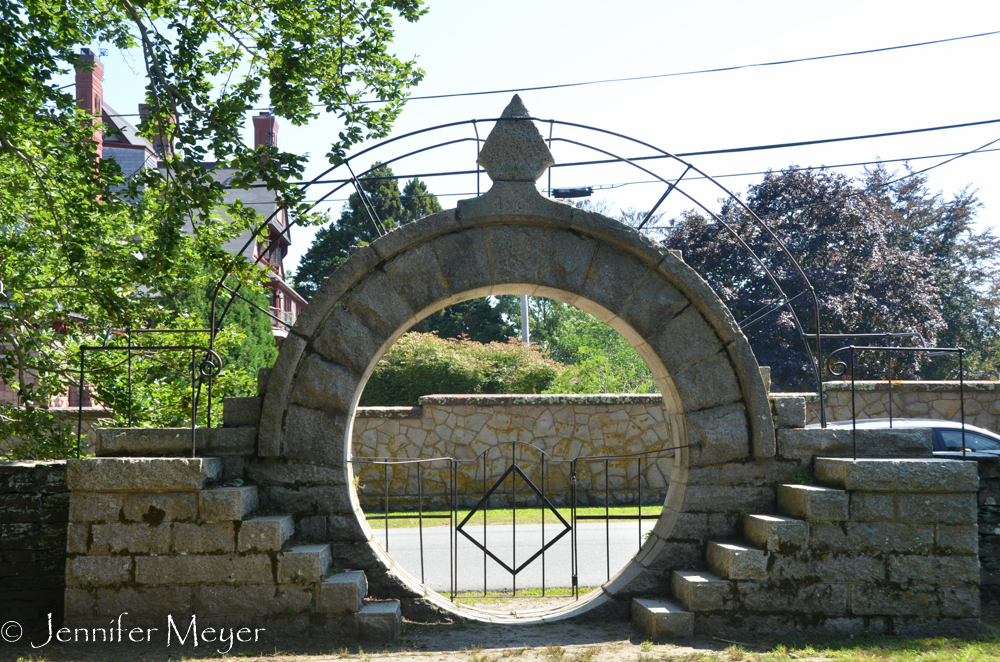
(659, 618)
(345, 591)
(898, 475)
(380, 621)
(701, 591)
(175, 442)
(731, 561)
(304, 564)
(141, 474)
(812, 503)
(227, 504)
(266, 533)
(776, 533)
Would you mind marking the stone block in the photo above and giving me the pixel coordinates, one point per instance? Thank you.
(309, 499)
(312, 435)
(701, 591)
(76, 538)
(805, 444)
(956, 539)
(130, 538)
(292, 473)
(515, 253)
(464, 261)
(380, 621)
(410, 235)
(653, 303)
(872, 538)
(775, 533)
(567, 257)
(231, 442)
(659, 618)
(898, 475)
(118, 474)
(266, 533)
(737, 562)
(345, 591)
(811, 599)
(222, 504)
(250, 599)
(722, 434)
(789, 412)
(960, 602)
(924, 508)
(204, 538)
(143, 602)
(323, 385)
(278, 384)
(879, 599)
(241, 412)
(95, 506)
(203, 569)
(612, 278)
(828, 568)
(685, 340)
(378, 305)
(873, 507)
(707, 384)
(303, 563)
(156, 507)
(727, 498)
(344, 340)
(809, 502)
(912, 569)
(98, 571)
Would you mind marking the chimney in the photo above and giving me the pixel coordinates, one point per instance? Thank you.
(161, 144)
(90, 91)
(265, 130)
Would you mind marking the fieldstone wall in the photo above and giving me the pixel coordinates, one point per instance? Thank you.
(988, 524)
(929, 399)
(563, 427)
(34, 508)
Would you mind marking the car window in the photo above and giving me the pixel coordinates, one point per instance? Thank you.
(975, 442)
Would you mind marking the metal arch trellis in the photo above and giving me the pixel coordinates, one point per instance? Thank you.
(813, 350)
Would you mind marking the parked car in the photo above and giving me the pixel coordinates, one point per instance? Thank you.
(947, 434)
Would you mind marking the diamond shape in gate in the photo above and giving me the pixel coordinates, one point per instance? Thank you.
(516, 471)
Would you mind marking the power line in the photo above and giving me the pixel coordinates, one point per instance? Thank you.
(608, 187)
(655, 76)
(696, 71)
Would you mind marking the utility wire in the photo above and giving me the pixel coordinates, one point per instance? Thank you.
(654, 76)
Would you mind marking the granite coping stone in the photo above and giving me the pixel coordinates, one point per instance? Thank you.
(141, 474)
(898, 475)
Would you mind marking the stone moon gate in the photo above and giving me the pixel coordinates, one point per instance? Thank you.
(511, 240)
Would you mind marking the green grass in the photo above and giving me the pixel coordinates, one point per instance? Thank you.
(505, 516)
(501, 597)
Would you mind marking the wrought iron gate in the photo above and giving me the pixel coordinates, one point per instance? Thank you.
(478, 502)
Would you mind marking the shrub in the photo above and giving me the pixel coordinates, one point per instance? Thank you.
(422, 364)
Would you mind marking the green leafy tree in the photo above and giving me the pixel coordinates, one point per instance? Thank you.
(479, 320)
(86, 249)
(358, 226)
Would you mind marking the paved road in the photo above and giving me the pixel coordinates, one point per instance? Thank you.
(594, 554)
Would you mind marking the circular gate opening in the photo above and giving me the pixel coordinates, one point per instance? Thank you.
(511, 476)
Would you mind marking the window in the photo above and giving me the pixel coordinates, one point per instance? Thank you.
(974, 442)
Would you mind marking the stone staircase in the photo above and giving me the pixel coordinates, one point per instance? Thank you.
(177, 535)
(881, 546)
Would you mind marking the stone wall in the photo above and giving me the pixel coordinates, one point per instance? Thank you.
(564, 427)
(34, 505)
(989, 524)
(935, 400)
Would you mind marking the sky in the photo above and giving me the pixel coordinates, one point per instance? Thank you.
(471, 46)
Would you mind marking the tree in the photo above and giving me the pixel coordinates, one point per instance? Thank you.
(479, 320)
(357, 224)
(844, 235)
(86, 249)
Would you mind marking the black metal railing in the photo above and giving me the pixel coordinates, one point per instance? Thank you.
(839, 367)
